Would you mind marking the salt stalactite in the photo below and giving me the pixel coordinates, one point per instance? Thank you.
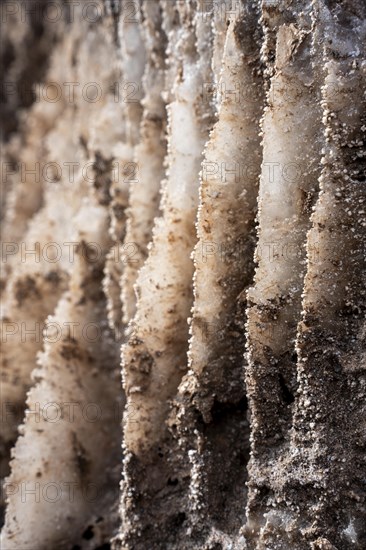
(323, 494)
(38, 262)
(154, 359)
(272, 11)
(62, 477)
(23, 155)
(219, 23)
(29, 35)
(149, 158)
(224, 267)
(170, 21)
(288, 189)
(133, 59)
(107, 140)
(129, 93)
(43, 263)
(186, 422)
(24, 169)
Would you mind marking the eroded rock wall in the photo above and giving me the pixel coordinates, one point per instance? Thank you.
(183, 196)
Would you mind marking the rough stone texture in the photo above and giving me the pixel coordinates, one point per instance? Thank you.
(219, 235)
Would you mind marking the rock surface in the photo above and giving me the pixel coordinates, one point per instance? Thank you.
(183, 195)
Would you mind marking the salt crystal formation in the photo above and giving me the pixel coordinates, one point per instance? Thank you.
(190, 206)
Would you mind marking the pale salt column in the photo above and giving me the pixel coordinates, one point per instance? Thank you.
(292, 142)
(28, 44)
(223, 11)
(44, 261)
(214, 389)
(154, 359)
(129, 93)
(72, 415)
(25, 170)
(39, 277)
(324, 490)
(107, 141)
(144, 197)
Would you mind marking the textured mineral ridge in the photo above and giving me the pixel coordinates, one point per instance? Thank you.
(183, 215)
